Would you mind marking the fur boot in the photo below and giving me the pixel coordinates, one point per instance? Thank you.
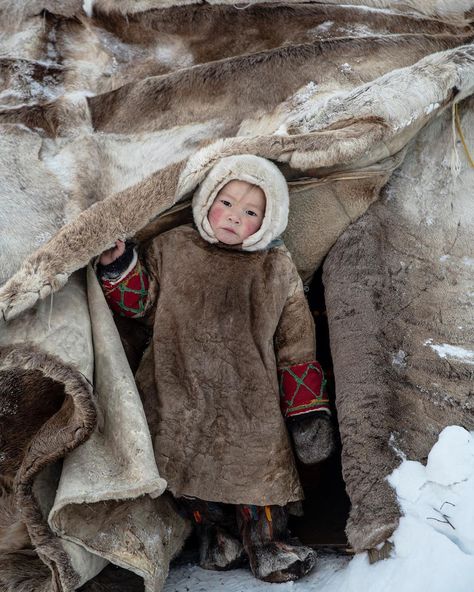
(216, 529)
(273, 557)
(218, 549)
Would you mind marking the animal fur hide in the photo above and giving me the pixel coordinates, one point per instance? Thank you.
(399, 288)
(111, 114)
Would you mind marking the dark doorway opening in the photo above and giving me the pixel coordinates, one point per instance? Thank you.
(326, 505)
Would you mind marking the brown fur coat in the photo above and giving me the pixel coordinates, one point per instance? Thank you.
(213, 406)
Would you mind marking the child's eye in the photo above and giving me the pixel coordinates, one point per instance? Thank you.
(251, 213)
(225, 202)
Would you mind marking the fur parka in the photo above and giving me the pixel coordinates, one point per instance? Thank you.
(225, 320)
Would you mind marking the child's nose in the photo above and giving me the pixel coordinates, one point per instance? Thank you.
(233, 217)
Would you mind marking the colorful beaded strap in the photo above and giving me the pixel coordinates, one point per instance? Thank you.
(302, 389)
(128, 297)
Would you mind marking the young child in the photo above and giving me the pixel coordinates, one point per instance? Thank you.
(230, 367)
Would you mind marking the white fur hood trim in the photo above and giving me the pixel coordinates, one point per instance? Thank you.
(258, 171)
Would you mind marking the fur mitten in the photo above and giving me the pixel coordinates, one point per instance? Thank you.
(313, 436)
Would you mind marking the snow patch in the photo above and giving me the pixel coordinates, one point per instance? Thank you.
(408, 480)
(386, 11)
(433, 544)
(445, 350)
(323, 27)
(406, 123)
(451, 459)
(305, 93)
(25, 89)
(87, 6)
(399, 359)
(308, 102)
(431, 107)
(361, 30)
(416, 116)
(392, 442)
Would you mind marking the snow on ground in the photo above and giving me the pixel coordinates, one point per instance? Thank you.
(433, 545)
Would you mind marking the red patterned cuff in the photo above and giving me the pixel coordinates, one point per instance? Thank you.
(129, 296)
(302, 389)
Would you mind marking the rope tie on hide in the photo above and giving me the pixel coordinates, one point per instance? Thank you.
(457, 129)
(461, 135)
(455, 161)
(50, 312)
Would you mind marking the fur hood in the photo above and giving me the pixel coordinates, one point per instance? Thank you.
(258, 171)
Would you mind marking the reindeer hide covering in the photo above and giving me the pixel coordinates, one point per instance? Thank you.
(111, 115)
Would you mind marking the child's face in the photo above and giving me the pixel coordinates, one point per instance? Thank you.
(237, 212)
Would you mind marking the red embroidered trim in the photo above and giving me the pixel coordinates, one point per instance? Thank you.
(129, 296)
(302, 389)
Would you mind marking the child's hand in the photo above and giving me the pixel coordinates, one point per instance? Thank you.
(110, 255)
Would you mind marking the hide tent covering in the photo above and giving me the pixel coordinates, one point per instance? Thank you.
(111, 115)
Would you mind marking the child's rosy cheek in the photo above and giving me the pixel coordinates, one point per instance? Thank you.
(213, 215)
